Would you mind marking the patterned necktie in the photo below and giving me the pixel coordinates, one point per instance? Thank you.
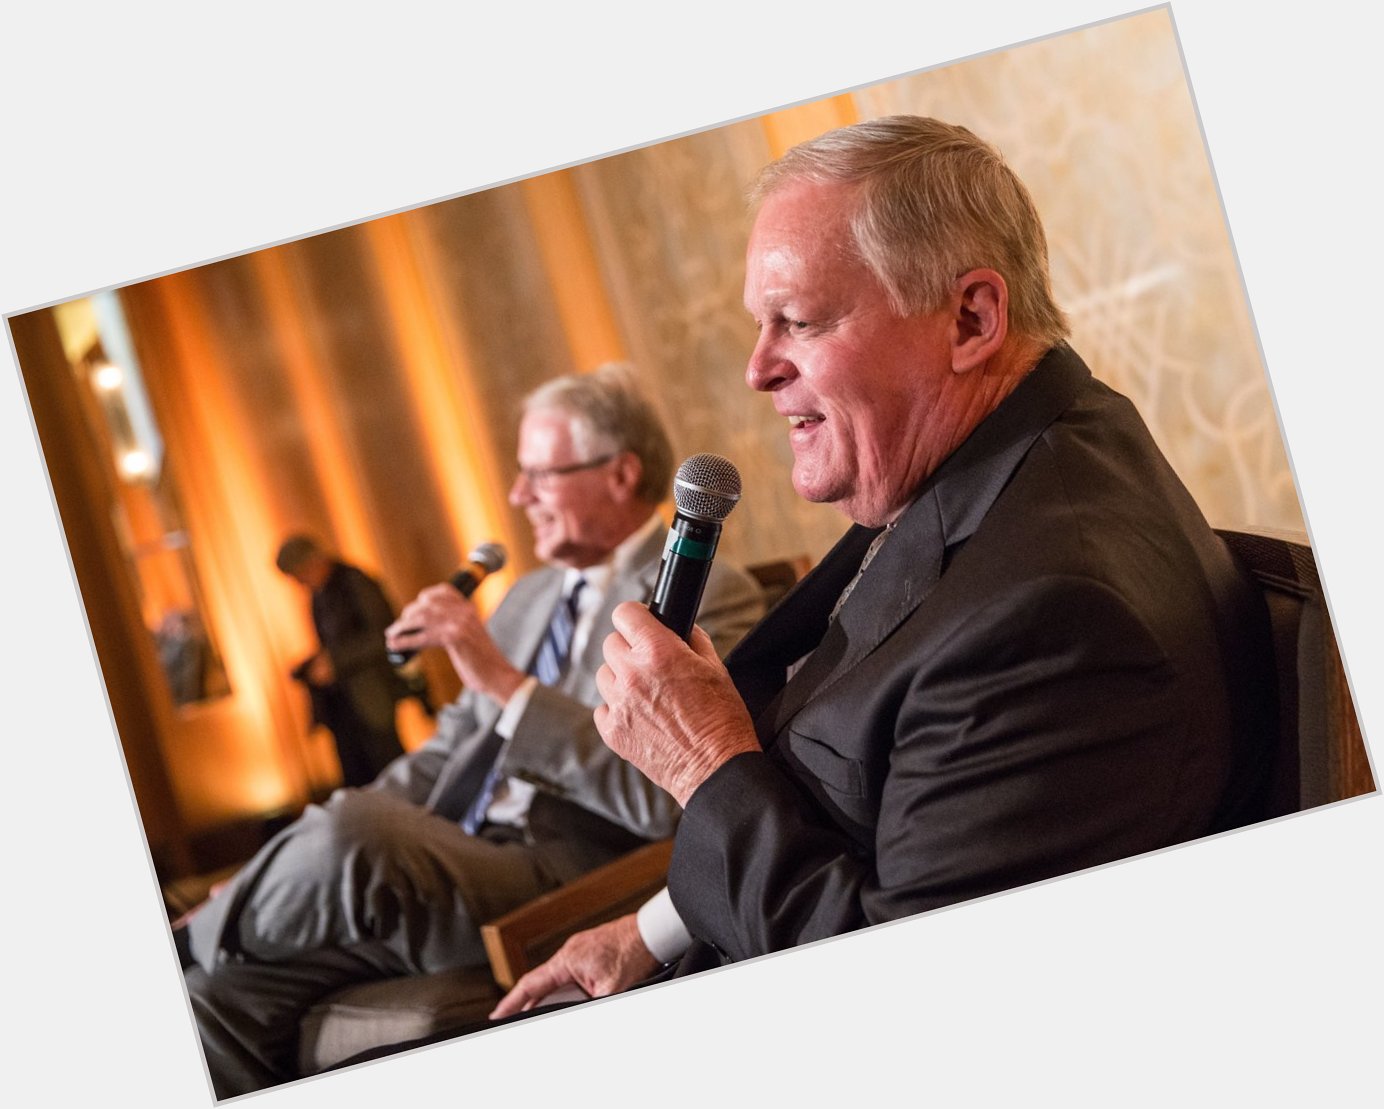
(548, 666)
(551, 660)
(870, 553)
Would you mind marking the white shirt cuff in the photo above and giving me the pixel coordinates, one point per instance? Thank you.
(514, 708)
(661, 928)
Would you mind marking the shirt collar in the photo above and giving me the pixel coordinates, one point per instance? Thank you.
(617, 562)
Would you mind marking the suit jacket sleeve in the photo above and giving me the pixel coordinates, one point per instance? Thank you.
(1014, 752)
(556, 746)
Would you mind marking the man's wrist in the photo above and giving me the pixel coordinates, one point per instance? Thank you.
(661, 929)
(496, 682)
(503, 686)
(714, 756)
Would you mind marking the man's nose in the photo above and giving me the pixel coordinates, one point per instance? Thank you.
(768, 368)
(521, 492)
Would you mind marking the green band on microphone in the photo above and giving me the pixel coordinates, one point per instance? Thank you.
(690, 548)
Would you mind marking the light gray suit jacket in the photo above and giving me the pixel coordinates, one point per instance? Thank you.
(590, 804)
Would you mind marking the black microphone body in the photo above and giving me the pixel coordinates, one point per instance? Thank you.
(480, 564)
(706, 489)
(682, 576)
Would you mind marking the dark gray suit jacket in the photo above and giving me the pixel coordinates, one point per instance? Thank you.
(350, 613)
(1051, 663)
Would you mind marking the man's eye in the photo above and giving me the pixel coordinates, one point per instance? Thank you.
(797, 325)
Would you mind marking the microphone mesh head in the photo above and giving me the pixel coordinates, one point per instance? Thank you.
(707, 487)
(490, 555)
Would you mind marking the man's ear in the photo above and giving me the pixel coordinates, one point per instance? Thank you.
(980, 320)
(625, 472)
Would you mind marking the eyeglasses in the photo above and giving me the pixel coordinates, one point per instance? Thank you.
(542, 478)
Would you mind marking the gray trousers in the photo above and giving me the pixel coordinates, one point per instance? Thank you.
(365, 886)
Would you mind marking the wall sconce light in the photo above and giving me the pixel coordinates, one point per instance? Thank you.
(135, 464)
(107, 377)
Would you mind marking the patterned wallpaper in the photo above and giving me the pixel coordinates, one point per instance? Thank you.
(1101, 127)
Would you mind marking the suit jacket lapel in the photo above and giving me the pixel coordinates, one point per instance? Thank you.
(949, 508)
(635, 584)
(903, 572)
(759, 662)
(530, 635)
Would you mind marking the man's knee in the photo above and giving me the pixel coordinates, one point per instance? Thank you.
(345, 873)
(351, 826)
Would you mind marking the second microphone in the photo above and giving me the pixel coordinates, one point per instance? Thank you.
(480, 564)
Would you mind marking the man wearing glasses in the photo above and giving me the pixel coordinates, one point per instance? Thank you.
(514, 795)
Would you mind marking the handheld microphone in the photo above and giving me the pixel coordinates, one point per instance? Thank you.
(706, 488)
(480, 564)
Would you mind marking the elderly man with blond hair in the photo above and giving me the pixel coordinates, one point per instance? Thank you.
(1028, 655)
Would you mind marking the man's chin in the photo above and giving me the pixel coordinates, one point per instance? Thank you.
(809, 489)
(842, 501)
(563, 554)
(542, 549)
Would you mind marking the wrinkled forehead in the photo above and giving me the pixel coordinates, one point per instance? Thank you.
(805, 211)
(802, 238)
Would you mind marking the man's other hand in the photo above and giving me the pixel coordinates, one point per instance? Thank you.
(601, 961)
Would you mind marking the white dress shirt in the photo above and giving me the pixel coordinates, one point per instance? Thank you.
(662, 929)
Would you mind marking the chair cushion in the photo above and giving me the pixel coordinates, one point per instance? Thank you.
(375, 1014)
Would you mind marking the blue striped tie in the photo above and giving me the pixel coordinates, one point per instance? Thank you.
(548, 666)
(551, 660)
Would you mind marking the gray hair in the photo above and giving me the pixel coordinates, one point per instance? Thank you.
(933, 202)
(611, 413)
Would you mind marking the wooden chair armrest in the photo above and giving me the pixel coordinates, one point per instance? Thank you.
(524, 937)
